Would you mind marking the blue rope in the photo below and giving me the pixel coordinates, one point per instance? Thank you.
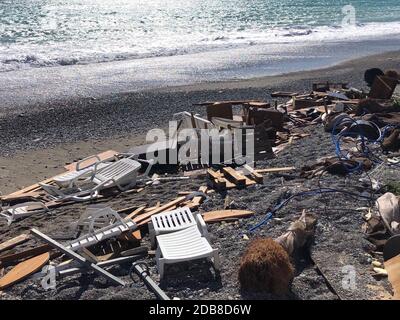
(312, 192)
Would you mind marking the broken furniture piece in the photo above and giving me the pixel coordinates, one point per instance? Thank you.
(107, 230)
(81, 260)
(142, 270)
(122, 174)
(184, 245)
(68, 179)
(23, 210)
(170, 221)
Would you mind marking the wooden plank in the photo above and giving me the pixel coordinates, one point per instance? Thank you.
(24, 270)
(104, 156)
(283, 94)
(220, 215)
(81, 260)
(216, 178)
(29, 189)
(393, 269)
(274, 170)
(199, 199)
(135, 213)
(8, 258)
(237, 178)
(219, 110)
(14, 242)
(143, 217)
(256, 175)
(20, 197)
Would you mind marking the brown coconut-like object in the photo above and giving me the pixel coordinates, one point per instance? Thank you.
(265, 267)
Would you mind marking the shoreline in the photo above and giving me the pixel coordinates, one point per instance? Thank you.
(38, 141)
(39, 86)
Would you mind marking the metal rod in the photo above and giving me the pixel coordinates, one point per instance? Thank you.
(81, 260)
(143, 274)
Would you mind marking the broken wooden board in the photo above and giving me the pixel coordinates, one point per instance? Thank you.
(283, 94)
(235, 176)
(104, 156)
(135, 213)
(217, 179)
(221, 215)
(256, 175)
(24, 269)
(14, 242)
(196, 201)
(14, 257)
(275, 170)
(22, 192)
(29, 196)
(392, 267)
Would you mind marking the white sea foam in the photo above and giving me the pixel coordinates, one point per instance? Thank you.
(16, 56)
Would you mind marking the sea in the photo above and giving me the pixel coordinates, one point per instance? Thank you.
(62, 48)
(47, 33)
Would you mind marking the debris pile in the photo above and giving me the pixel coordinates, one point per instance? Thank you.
(365, 131)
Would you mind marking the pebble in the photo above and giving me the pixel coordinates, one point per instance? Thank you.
(376, 263)
(380, 271)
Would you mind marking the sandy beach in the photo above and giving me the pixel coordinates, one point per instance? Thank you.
(39, 139)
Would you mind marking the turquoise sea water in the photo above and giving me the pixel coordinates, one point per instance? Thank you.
(38, 33)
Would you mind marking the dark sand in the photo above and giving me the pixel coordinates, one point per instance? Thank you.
(37, 141)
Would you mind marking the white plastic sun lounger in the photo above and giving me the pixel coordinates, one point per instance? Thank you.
(170, 221)
(122, 174)
(23, 210)
(69, 178)
(185, 245)
(111, 230)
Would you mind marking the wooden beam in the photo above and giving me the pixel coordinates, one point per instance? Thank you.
(135, 213)
(81, 260)
(237, 178)
(220, 215)
(14, 242)
(216, 178)
(256, 175)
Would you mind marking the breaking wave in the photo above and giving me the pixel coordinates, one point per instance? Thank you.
(15, 56)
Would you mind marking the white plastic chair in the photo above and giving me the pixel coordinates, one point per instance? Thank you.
(170, 221)
(23, 210)
(184, 245)
(122, 174)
